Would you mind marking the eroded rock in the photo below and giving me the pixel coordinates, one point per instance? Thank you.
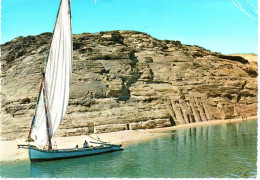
(124, 79)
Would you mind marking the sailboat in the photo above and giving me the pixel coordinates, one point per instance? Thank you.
(53, 97)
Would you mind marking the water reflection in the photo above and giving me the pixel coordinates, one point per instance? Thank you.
(224, 150)
(89, 166)
(226, 146)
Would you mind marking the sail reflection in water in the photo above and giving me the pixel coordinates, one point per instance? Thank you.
(224, 150)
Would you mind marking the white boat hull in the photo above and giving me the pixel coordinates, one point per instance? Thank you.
(36, 154)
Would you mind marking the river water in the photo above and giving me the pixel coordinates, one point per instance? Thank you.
(224, 150)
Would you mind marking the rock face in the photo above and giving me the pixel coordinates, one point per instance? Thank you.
(127, 80)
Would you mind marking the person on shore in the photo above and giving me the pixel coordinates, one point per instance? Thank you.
(85, 145)
(77, 146)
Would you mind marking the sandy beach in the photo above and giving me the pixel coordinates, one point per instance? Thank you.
(10, 152)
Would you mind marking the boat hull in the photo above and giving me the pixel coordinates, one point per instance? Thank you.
(37, 155)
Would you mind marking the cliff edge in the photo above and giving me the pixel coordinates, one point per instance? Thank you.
(127, 80)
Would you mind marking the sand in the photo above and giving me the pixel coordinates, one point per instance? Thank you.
(10, 152)
(250, 56)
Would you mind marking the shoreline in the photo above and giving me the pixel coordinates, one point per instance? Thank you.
(10, 152)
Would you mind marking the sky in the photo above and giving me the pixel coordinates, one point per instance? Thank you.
(225, 26)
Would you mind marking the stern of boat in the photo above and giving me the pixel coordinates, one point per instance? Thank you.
(117, 147)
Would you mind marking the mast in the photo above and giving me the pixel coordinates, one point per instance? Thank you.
(46, 114)
(53, 95)
(43, 89)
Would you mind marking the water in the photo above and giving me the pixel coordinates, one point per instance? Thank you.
(225, 150)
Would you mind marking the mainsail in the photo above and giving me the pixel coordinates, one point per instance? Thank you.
(56, 83)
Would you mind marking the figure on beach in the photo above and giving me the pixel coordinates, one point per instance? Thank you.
(85, 145)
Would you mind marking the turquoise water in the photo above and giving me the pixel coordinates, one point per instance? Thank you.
(225, 150)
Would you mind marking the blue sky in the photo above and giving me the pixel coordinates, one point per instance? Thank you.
(217, 25)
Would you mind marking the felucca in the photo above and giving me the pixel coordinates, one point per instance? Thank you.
(53, 96)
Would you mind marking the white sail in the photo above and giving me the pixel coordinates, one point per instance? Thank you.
(57, 78)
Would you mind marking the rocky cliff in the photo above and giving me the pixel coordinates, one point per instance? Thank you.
(127, 80)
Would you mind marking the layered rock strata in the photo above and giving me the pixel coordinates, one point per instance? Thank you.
(127, 80)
